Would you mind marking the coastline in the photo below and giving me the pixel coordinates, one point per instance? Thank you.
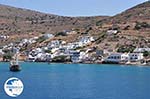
(118, 64)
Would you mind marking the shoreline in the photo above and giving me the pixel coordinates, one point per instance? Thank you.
(130, 64)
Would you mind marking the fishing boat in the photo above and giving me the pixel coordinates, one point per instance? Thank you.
(14, 64)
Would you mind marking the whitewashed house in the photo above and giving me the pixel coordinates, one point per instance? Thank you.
(140, 50)
(123, 57)
(75, 56)
(2, 37)
(38, 50)
(27, 41)
(135, 57)
(86, 39)
(1, 52)
(71, 32)
(31, 41)
(36, 37)
(74, 45)
(69, 46)
(54, 44)
(111, 32)
(83, 56)
(53, 50)
(80, 44)
(117, 58)
(48, 36)
(43, 57)
(31, 58)
(24, 41)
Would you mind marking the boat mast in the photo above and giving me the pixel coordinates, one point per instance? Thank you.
(17, 58)
(17, 52)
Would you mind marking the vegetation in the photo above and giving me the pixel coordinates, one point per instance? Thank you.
(99, 23)
(101, 37)
(146, 53)
(47, 51)
(61, 59)
(89, 29)
(127, 27)
(140, 25)
(40, 39)
(123, 49)
(114, 27)
(7, 57)
(61, 34)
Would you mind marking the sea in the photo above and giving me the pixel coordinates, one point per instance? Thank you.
(78, 81)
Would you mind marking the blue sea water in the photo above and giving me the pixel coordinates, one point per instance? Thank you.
(79, 81)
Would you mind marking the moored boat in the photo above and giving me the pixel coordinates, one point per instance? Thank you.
(14, 65)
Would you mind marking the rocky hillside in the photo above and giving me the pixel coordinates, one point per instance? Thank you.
(133, 26)
(22, 21)
(140, 12)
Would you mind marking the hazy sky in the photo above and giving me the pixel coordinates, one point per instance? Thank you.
(75, 7)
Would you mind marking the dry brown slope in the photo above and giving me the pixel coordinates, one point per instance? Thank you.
(13, 19)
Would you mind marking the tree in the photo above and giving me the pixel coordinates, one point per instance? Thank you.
(146, 53)
(7, 57)
(140, 25)
(61, 34)
(61, 58)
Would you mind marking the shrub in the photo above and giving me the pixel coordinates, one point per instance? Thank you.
(141, 25)
(7, 57)
(146, 53)
(40, 39)
(127, 27)
(61, 59)
(61, 34)
(99, 23)
(47, 51)
(123, 49)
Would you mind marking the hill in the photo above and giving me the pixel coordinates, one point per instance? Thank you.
(140, 12)
(133, 26)
(22, 22)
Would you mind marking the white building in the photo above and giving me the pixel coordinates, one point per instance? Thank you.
(86, 39)
(75, 56)
(43, 57)
(4, 37)
(135, 56)
(123, 57)
(73, 45)
(54, 44)
(48, 36)
(71, 32)
(1, 52)
(31, 58)
(27, 41)
(110, 32)
(117, 58)
(140, 50)
(83, 56)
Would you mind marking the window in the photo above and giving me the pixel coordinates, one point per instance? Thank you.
(135, 58)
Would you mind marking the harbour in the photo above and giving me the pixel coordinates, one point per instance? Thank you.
(79, 81)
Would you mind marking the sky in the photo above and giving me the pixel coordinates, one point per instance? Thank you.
(75, 7)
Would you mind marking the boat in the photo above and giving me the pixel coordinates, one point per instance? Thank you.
(14, 65)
